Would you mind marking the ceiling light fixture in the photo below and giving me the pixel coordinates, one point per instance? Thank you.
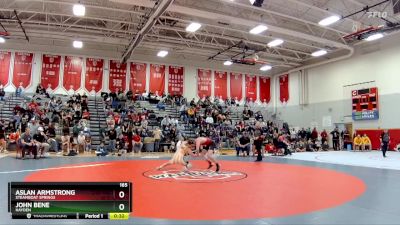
(162, 53)
(329, 20)
(266, 68)
(193, 27)
(258, 29)
(228, 63)
(2, 40)
(77, 44)
(79, 9)
(319, 53)
(374, 37)
(275, 43)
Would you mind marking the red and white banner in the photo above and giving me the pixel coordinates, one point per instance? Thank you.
(138, 78)
(236, 81)
(22, 69)
(220, 84)
(203, 83)
(117, 81)
(284, 88)
(72, 72)
(157, 79)
(265, 89)
(251, 87)
(94, 74)
(5, 58)
(50, 76)
(175, 80)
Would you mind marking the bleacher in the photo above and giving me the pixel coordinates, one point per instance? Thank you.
(98, 115)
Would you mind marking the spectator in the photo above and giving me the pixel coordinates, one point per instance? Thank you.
(51, 138)
(41, 142)
(366, 142)
(385, 141)
(2, 94)
(81, 142)
(324, 136)
(28, 144)
(157, 134)
(3, 143)
(112, 136)
(314, 135)
(243, 145)
(335, 139)
(358, 143)
(19, 91)
(101, 149)
(137, 143)
(258, 145)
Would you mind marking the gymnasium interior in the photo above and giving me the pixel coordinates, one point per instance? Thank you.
(199, 112)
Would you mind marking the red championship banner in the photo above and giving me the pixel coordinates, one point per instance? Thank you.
(117, 81)
(138, 78)
(284, 88)
(22, 69)
(175, 80)
(94, 74)
(265, 89)
(4, 67)
(251, 87)
(236, 81)
(157, 79)
(72, 72)
(220, 84)
(50, 71)
(203, 83)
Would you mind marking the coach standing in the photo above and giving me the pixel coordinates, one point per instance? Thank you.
(385, 141)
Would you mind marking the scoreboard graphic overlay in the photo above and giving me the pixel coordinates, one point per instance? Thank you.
(88, 200)
(365, 104)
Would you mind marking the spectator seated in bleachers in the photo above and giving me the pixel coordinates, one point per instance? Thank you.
(2, 93)
(28, 144)
(243, 145)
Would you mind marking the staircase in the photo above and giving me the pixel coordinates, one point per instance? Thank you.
(97, 119)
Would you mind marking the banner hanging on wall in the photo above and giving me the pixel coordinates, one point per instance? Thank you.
(72, 72)
(157, 79)
(50, 75)
(265, 89)
(175, 80)
(236, 84)
(138, 78)
(220, 84)
(22, 73)
(5, 58)
(251, 87)
(117, 81)
(203, 83)
(284, 88)
(94, 74)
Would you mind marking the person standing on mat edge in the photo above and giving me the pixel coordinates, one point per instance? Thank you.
(258, 145)
(385, 141)
(208, 147)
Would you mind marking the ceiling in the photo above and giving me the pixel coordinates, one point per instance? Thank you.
(112, 24)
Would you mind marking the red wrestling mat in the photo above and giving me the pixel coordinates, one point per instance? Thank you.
(243, 190)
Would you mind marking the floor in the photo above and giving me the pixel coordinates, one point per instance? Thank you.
(306, 188)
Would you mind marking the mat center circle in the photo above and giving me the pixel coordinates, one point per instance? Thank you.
(194, 175)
